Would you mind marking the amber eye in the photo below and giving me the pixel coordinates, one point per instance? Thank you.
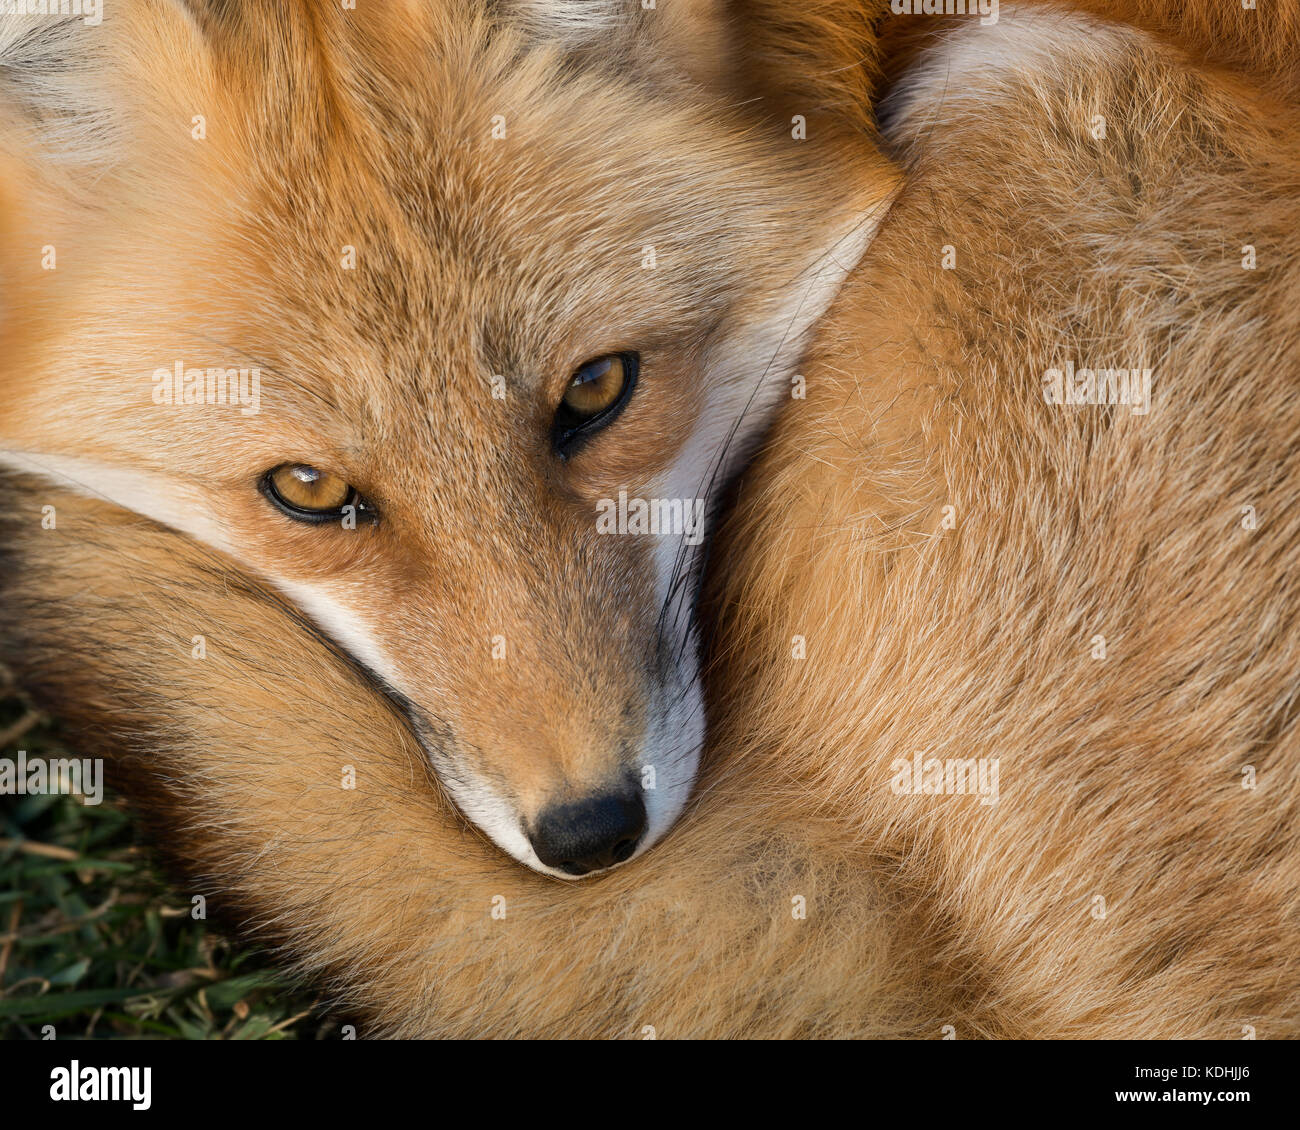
(306, 493)
(596, 393)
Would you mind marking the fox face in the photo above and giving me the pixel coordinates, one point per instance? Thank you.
(450, 322)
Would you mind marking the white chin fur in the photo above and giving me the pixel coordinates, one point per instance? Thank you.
(673, 748)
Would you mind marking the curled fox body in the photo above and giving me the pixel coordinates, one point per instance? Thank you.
(948, 554)
(406, 233)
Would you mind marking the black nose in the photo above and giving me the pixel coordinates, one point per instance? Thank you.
(590, 834)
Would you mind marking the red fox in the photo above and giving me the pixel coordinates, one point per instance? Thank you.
(1001, 646)
(409, 234)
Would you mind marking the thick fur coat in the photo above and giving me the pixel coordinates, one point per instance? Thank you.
(931, 559)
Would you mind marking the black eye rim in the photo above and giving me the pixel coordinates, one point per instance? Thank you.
(365, 512)
(567, 437)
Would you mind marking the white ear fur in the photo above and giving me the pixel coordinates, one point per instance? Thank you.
(47, 69)
(688, 37)
(573, 22)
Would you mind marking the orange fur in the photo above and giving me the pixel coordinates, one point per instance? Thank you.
(416, 227)
(972, 637)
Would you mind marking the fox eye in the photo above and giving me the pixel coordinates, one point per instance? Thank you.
(596, 394)
(308, 494)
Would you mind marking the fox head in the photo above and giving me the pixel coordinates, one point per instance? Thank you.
(449, 320)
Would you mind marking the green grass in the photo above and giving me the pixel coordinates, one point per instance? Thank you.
(95, 943)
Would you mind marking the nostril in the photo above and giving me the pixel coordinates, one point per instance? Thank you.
(591, 834)
(570, 867)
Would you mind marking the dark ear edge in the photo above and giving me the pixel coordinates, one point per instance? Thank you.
(809, 57)
(812, 57)
(689, 38)
(214, 18)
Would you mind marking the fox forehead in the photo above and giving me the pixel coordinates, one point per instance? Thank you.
(392, 270)
(387, 216)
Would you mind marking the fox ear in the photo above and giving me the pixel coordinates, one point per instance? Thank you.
(82, 86)
(809, 57)
(49, 81)
(91, 111)
(818, 58)
(689, 37)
